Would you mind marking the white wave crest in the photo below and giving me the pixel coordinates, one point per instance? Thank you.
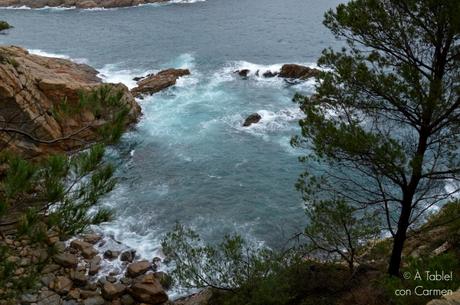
(61, 56)
(256, 73)
(271, 121)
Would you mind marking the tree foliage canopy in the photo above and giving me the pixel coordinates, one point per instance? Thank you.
(384, 127)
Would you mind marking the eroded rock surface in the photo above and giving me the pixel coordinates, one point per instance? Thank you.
(154, 83)
(32, 87)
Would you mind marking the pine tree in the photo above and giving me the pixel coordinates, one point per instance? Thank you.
(383, 130)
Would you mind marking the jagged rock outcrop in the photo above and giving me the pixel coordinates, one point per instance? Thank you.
(32, 88)
(297, 71)
(84, 4)
(154, 83)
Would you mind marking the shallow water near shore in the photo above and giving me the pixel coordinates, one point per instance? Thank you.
(189, 159)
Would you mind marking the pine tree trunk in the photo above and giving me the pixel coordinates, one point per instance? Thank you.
(399, 239)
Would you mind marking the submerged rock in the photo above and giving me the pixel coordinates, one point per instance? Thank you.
(111, 254)
(252, 119)
(128, 256)
(270, 74)
(154, 83)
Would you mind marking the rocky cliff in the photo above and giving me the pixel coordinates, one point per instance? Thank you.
(85, 4)
(32, 88)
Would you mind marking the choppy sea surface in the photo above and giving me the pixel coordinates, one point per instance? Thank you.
(189, 159)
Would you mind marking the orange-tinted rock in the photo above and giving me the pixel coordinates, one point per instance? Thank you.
(156, 82)
(32, 87)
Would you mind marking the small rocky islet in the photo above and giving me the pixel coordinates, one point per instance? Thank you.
(81, 4)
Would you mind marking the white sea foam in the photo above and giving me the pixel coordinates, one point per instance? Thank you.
(61, 56)
(271, 121)
(50, 8)
(15, 8)
(113, 73)
(256, 74)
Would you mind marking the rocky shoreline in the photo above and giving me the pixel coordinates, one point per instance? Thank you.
(73, 275)
(82, 4)
(90, 269)
(34, 88)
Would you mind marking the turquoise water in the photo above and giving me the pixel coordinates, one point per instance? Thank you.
(189, 159)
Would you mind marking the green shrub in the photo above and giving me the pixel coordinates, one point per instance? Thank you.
(4, 26)
(245, 275)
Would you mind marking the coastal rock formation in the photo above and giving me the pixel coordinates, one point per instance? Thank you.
(84, 4)
(297, 72)
(64, 278)
(154, 83)
(288, 71)
(252, 119)
(32, 88)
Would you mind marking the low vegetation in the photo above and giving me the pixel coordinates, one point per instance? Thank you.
(56, 195)
(240, 274)
(4, 26)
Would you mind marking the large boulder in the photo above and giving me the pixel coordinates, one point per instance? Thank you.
(94, 265)
(33, 87)
(147, 289)
(66, 260)
(87, 250)
(138, 268)
(154, 83)
(294, 71)
(112, 291)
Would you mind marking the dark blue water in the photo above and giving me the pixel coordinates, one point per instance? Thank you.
(189, 159)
